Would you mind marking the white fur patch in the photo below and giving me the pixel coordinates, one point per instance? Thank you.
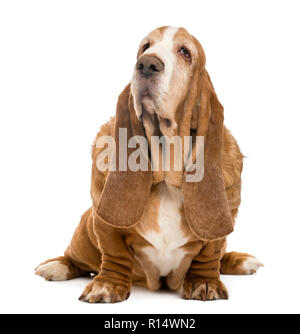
(53, 271)
(164, 49)
(251, 265)
(166, 253)
(96, 291)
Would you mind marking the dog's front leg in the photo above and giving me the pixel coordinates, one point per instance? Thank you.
(202, 280)
(113, 282)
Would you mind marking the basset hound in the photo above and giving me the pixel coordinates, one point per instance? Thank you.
(152, 226)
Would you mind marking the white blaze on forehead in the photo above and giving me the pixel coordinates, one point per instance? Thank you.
(165, 45)
(164, 49)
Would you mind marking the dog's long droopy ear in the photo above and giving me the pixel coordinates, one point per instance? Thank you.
(205, 202)
(125, 193)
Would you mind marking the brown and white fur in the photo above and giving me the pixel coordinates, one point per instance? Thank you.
(161, 248)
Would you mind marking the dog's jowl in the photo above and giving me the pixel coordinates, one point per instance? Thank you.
(149, 224)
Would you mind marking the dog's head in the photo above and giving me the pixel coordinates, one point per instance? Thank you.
(170, 94)
(169, 60)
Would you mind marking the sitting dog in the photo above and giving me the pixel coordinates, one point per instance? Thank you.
(152, 226)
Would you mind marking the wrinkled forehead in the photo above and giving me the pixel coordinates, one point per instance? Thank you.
(169, 38)
(167, 33)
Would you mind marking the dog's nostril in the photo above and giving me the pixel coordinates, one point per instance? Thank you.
(153, 68)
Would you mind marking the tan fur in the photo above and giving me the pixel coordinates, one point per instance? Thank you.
(111, 239)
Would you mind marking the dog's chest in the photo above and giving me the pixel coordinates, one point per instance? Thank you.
(163, 229)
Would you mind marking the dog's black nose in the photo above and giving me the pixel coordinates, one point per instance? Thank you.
(148, 65)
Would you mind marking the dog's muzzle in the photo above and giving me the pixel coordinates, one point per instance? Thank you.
(149, 65)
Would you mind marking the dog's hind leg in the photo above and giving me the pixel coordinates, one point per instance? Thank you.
(235, 263)
(60, 269)
(81, 257)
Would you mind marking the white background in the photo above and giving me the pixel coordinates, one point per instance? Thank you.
(62, 66)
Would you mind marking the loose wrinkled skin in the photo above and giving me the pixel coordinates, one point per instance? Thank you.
(145, 227)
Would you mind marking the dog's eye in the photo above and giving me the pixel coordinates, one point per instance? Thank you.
(146, 46)
(185, 53)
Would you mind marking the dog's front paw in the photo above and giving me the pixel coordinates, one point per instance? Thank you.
(104, 292)
(204, 289)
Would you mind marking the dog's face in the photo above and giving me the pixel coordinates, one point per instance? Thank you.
(167, 59)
